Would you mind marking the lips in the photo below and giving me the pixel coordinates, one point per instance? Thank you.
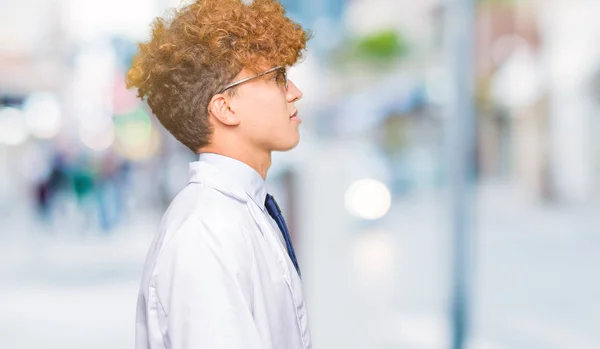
(294, 117)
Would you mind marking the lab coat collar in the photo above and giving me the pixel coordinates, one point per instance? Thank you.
(230, 176)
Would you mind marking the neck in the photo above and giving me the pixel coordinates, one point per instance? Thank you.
(259, 161)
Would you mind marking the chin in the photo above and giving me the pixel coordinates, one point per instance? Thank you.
(287, 146)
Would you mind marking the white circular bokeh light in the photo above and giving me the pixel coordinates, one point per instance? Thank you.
(368, 199)
(43, 115)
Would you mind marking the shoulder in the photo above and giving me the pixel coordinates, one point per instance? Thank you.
(204, 206)
(202, 202)
(205, 220)
(205, 247)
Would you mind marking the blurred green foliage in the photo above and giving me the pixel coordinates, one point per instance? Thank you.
(387, 44)
(381, 47)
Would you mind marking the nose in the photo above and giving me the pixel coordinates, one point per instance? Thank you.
(293, 92)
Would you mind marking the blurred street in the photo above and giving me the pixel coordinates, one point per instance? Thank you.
(391, 129)
(397, 270)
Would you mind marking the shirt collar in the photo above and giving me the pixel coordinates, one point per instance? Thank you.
(237, 173)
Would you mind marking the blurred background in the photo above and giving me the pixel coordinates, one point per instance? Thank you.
(416, 202)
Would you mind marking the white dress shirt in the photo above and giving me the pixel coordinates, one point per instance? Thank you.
(217, 275)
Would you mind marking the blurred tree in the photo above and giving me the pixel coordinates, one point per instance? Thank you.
(384, 45)
(378, 49)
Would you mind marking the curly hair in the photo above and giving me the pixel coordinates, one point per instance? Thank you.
(205, 45)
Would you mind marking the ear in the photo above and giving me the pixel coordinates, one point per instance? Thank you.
(220, 107)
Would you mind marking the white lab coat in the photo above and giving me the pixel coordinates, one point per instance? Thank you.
(217, 274)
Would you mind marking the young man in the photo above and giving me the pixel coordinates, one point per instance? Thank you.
(222, 272)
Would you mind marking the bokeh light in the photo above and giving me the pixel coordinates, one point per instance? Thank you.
(136, 138)
(43, 115)
(368, 199)
(374, 255)
(13, 130)
(98, 136)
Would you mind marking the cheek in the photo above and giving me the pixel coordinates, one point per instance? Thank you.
(273, 107)
(265, 109)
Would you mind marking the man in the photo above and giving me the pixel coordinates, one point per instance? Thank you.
(222, 272)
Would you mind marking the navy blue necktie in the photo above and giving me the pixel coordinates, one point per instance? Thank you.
(275, 213)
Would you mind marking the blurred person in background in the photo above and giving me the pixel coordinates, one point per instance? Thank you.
(111, 179)
(222, 272)
(47, 188)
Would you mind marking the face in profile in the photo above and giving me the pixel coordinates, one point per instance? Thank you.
(266, 108)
